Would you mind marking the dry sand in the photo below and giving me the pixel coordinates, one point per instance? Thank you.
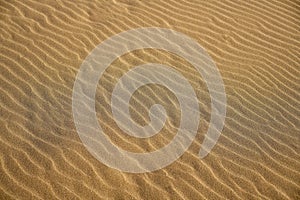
(256, 46)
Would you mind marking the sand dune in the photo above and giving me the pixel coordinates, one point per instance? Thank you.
(256, 47)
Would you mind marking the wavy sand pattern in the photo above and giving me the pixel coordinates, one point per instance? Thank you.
(256, 46)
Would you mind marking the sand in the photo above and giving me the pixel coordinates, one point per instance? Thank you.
(256, 47)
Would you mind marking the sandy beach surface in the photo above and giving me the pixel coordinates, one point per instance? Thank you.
(254, 44)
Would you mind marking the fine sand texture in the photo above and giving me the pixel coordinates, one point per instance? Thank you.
(256, 47)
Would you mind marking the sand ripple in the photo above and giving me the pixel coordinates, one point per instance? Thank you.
(255, 46)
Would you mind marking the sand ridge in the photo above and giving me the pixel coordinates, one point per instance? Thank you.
(255, 46)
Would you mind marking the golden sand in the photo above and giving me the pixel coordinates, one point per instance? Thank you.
(256, 47)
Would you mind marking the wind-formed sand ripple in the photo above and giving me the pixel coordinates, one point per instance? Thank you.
(255, 46)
